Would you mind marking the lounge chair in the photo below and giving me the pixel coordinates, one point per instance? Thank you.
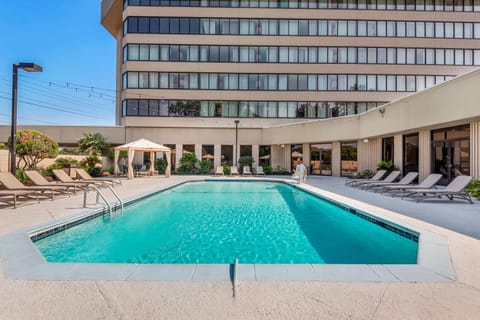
(260, 171)
(84, 176)
(405, 181)
(219, 171)
(246, 171)
(392, 176)
(234, 171)
(455, 189)
(17, 195)
(64, 178)
(376, 177)
(427, 183)
(11, 183)
(40, 181)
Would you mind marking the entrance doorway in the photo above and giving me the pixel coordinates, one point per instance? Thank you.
(451, 152)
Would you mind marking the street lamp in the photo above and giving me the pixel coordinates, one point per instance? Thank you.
(29, 67)
(236, 141)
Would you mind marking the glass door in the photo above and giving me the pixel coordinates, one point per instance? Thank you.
(451, 158)
(451, 152)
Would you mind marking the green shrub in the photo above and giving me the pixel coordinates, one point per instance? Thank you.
(90, 162)
(94, 171)
(69, 151)
(267, 169)
(474, 188)
(65, 162)
(21, 176)
(365, 174)
(226, 168)
(245, 161)
(386, 165)
(188, 163)
(2, 146)
(161, 165)
(205, 166)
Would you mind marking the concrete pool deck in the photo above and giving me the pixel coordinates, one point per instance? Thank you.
(21, 299)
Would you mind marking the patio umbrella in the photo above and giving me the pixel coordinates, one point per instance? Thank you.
(266, 157)
(207, 156)
(296, 154)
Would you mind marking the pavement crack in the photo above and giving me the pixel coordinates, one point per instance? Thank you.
(380, 302)
(107, 302)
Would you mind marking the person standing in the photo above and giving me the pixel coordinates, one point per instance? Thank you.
(301, 171)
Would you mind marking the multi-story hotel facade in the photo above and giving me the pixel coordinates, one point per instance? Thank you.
(298, 75)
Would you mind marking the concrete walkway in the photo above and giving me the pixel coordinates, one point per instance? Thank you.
(457, 215)
(22, 299)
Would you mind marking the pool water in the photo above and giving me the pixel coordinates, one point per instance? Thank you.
(217, 221)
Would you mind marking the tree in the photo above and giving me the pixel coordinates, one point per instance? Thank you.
(33, 146)
(93, 143)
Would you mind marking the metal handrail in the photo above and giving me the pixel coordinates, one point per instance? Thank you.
(101, 195)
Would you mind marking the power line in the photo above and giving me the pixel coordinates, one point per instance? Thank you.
(25, 118)
(57, 94)
(54, 108)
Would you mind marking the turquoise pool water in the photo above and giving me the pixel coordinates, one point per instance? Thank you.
(217, 221)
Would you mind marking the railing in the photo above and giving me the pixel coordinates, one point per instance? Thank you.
(95, 187)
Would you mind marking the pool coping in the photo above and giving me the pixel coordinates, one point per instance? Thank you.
(21, 259)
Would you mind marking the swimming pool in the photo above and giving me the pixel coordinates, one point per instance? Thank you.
(217, 221)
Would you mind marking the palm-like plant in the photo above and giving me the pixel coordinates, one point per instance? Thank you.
(93, 143)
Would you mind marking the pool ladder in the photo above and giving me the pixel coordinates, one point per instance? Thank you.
(96, 188)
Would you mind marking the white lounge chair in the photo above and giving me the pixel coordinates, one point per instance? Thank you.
(427, 183)
(455, 189)
(405, 181)
(234, 171)
(84, 176)
(246, 171)
(376, 177)
(63, 177)
(392, 176)
(219, 171)
(260, 171)
(10, 182)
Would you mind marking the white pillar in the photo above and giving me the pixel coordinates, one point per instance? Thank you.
(217, 155)
(424, 154)
(178, 154)
(198, 151)
(398, 151)
(336, 159)
(369, 154)
(255, 155)
(306, 156)
(475, 149)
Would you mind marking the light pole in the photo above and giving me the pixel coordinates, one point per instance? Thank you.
(236, 141)
(29, 67)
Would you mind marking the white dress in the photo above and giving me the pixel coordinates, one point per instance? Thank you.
(300, 172)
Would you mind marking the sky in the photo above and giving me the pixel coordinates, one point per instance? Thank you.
(77, 85)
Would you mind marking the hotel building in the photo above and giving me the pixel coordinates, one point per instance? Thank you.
(305, 79)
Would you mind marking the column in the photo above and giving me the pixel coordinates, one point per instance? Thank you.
(369, 154)
(255, 155)
(398, 151)
(217, 155)
(424, 154)
(198, 151)
(235, 156)
(178, 154)
(475, 149)
(336, 159)
(306, 156)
